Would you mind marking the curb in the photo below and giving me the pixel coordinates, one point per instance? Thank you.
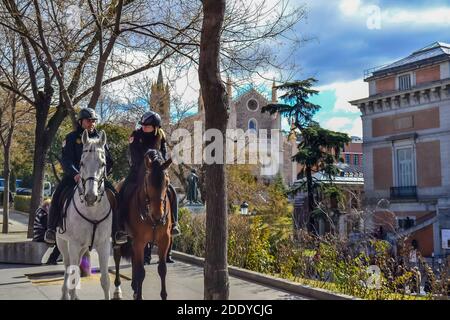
(23, 252)
(21, 212)
(281, 284)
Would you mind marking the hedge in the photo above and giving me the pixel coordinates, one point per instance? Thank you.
(22, 203)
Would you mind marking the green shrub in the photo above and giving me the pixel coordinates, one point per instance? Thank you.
(259, 258)
(22, 203)
(192, 239)
(238, 240)
(326, 262)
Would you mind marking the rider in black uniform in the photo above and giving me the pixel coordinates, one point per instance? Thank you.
(71, 157)
(149, 136)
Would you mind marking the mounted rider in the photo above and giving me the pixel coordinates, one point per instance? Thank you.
(71, 157)
(149, 136)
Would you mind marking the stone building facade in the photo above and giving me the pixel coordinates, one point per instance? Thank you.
(406, 133)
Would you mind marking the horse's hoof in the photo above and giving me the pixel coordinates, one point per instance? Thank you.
(135, 297)
(117, 296)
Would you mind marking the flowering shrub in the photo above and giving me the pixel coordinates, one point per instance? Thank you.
(326, 262)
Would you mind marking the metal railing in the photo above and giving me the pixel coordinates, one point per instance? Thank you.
(369, 72)
(409, 192)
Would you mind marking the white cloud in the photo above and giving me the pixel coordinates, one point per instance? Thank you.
(397, 15)
(356, 128)
(347, 91)
(437, 16)
(353, 127)
(349, 7)
(337, 123)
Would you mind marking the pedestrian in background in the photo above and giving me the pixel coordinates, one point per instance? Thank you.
(39, 228)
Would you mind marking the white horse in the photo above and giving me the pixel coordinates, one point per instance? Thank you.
(89, 218)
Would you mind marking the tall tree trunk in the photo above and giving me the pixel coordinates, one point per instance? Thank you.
(44, 134)
(38, 178)
(216, 286)
(7, 164)
(6, 176)
(310, 195)
(40, 150)
(55, 173)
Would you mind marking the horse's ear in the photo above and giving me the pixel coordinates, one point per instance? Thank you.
(166, 164)
(102, 138)
(85, 137)
(148, 162)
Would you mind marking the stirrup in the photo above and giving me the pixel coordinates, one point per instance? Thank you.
(120, 238)
(175, 230)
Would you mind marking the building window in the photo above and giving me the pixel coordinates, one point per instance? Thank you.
(252, 125)
(347, 158)
(356, 160)
(404, 82)
(405, 167)
(252, 105)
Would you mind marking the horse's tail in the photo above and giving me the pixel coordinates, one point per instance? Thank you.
(126, 250)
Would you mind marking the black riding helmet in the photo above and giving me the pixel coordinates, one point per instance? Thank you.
(151, 118)
(87, 113)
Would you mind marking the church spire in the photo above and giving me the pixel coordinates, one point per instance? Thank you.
(274, 92)
(160, 82)
(160, 98)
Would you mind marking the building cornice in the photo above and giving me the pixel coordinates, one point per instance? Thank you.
(435, 91)
(385, 72)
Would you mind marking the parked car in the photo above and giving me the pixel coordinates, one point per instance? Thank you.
(2, 189)
(23, 191)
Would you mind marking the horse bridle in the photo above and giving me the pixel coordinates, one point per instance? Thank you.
(100, 182)
(148, 213)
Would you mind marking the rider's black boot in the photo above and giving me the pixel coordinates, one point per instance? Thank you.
(120, 236)
(173, 199)
(53, 218)
(56, 209)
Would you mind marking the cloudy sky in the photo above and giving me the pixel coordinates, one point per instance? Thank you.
(350, 36)
(347, 37)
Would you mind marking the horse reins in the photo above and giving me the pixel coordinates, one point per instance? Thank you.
(163, 219)
(83, 183)
(99, 181)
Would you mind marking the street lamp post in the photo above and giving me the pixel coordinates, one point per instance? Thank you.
(244, 208)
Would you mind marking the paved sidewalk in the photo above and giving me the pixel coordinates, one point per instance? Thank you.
(184, 281)
(18, 226)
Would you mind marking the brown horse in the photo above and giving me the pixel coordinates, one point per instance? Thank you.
(149, 219)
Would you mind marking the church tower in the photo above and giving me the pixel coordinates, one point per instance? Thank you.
(160, 99)
(276, 119)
